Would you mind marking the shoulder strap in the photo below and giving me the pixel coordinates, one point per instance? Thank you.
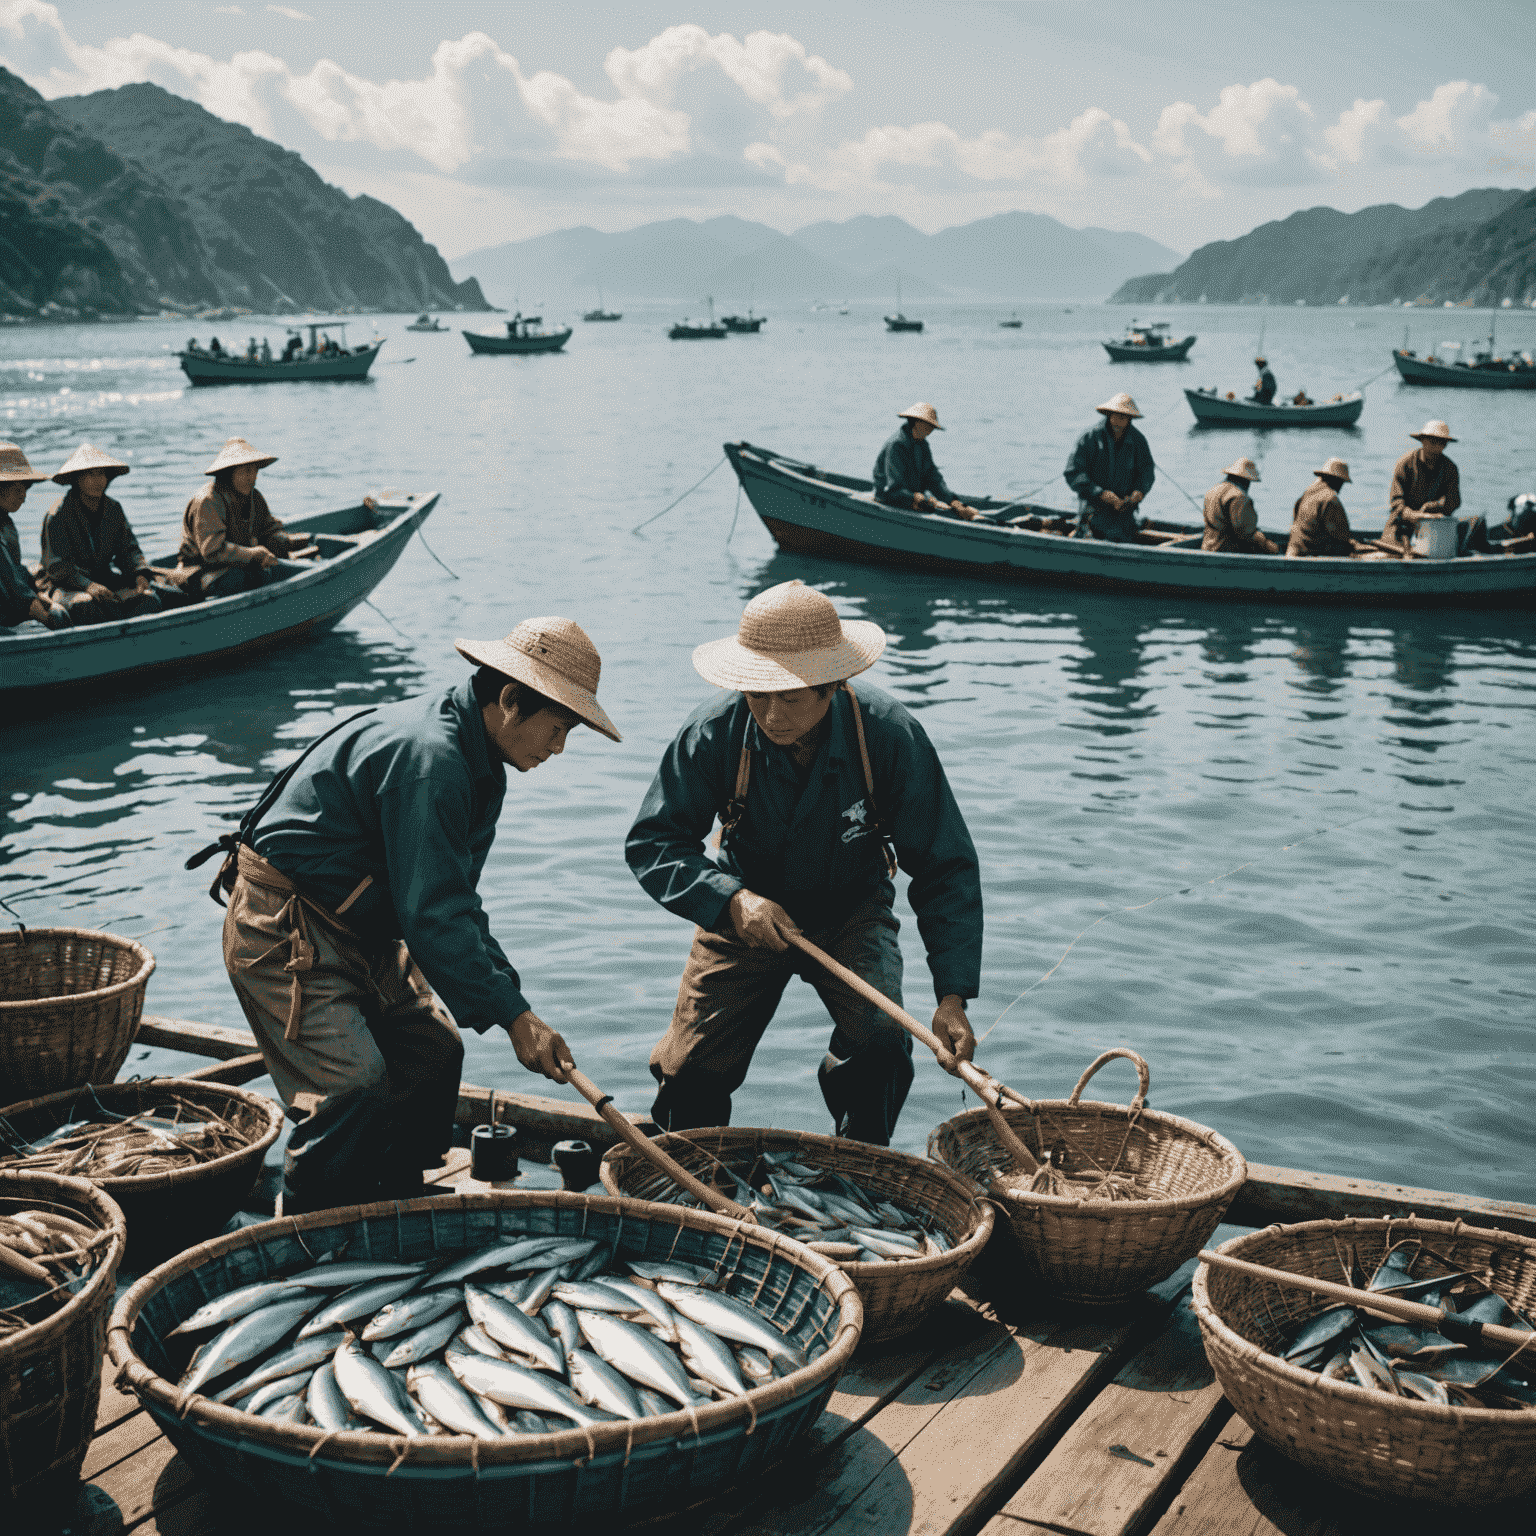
(736, 806)
(869, 785)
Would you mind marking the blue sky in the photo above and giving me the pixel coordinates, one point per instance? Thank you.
(1186, 120)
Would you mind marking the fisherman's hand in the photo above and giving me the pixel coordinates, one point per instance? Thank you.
(1133, 500)
(1110, 500)
(539, 1047)
(760, 923)
(142, 582)
(100, 593)
(970, 514)
(954, 1029)
(265, 557)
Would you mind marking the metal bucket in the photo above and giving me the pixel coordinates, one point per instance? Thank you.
(1435, 538)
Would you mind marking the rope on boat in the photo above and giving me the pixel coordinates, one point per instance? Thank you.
(434, 554)
(686, 494)
(1180, 489)
(368, 601)
(734, 515)
(1358, 387)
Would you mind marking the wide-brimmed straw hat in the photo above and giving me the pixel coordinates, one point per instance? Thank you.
(14, 466)
(556, 657)
(1434, 429)
(922, 411)
(86, 457)
(1335, 467)
(236, 452)
(1119, 405)
(1244, 467)
(790, 637)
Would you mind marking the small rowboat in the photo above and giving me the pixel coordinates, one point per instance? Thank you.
(425, 323)
(811, 511)
(522, 336)
(337, 361)
(358, 547)
(1148, 344)
(1485, 371)
(1216, 410)
(900, 322)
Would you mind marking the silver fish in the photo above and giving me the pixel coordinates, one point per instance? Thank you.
(243, 1341)
(561, 1322)
(371, 1390)
(480, 1342)
(597, 1382)
(424, 1342)
(637, 1353)
(513, 1327)
(303, 1355)
(327, 1407)
(594, 1295)
(526, 1422)
(674, 1270)
(491, 1409)
(509, 1290)
(709, 1357)
(502, 1255)
(1371, 1373)
(730, 1319)
(338, 1277)
(515, 1386)
(411, 1313)
(536, 1290)
(887, 1246)
(1322, 1329)
(284, 1386)
(287, 1410)
(1422, 1387)
(360, 1301)
(595, 1262)
(439, 1391)
(233, 1305)
(649, 1302)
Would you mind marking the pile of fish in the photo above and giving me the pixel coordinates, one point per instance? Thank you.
(1341, 1344)
(44, 1259)
(528, 1336)
(174, 1133)
(825, 1211)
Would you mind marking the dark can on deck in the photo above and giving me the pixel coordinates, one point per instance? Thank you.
(493, 1153)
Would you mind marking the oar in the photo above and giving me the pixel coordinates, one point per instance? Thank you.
(604, 1105)
(1382, 1305)
(986, 1088)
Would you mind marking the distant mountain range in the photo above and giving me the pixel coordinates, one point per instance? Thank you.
(1010, 256)
(1480, 246)
(133, 201)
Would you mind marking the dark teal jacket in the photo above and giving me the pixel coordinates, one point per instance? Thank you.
(816, 853)
(410, 795)
(904, 467)
(16, 590)
(1099, 463)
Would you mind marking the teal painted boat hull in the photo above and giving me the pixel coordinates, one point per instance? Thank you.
(550, 343)
(1216, 411)
(1170, 352)
(201, 368)
(1418, 370)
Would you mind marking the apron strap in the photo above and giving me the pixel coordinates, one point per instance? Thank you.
(736, 806)
(869, 784)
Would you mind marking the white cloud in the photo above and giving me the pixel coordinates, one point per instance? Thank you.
(289, 12)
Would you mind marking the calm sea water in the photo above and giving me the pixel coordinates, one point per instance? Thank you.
(1285, 854)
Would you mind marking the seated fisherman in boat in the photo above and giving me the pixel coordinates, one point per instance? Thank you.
(1111, 470)
(905, 474)
(230, 542)
(813, 782)
(1319, 524)
(353, 900)
(20, 602)
(92, 564)
(1301, 397)
(1264, 388)
(1425, 483)
(1231, 523)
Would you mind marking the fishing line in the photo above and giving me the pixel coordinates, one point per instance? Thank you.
(734, 515)
(1180, 489)
(1141, 906)
(434, 554)
(385, 617)
(689, 492)
(1373, 378)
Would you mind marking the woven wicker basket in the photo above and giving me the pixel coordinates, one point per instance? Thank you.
(166, 1212)
(1102, 1252)
(70, 1002)
(897, 1297)
(1369, 1441)
(613, 1473)
(50, 1373)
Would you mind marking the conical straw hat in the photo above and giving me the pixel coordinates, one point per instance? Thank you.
(1434, 429)
(1244, 467)
(922, 411)
(556, 657)
(790, 637)
(14, 466)
(86, 457)
(1120, 405)
(1335, 467)
(236, 452)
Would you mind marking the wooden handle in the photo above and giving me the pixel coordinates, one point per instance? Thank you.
(626, 1132)
(986, 1088)
(1380, 1304)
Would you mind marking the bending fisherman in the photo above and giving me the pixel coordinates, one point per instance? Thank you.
(905, 475)
(1264, 386)
(1231, 522)
(1319, 523)
(1111, 470)
(1425, 483)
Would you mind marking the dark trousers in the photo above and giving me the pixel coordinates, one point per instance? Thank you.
(246, 578)
(728, 995)
(126, 603)
(1117, 525)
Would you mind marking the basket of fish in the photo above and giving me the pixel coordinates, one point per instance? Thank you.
(61, 1241)
(179, 1156)
(1384, 1408)
(1123, 1194)
(904, 1231)
(488, 1361)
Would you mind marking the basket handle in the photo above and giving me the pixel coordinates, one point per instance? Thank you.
(1143, 1074)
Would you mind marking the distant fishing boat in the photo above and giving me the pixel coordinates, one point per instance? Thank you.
(898, 321)
(686, 330)
(324, 358)
(1012, 323)
(1149, 344)
(524, 334)
(743, 325)
(600, 313)
(1487, 370)
(425, 323)
(1233, 410)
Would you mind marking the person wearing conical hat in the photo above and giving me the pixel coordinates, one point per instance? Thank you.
(1319, 523)
(905, 475)
(821, 789)
(1264, 386)
(20, 601)
(230, 542)
(1425, 483)
(355, 937)
(1111, 470)
(1231, 522)
(92, 564)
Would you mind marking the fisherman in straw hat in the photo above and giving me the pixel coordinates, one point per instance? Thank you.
(352, 900)
(820, 789)
(905, 475)
(230, 542)
(92, 564)
(1111, 470)
(19, 599)
(1264, 386)
(1425, 483)
(1319, 524)
(1231, 522)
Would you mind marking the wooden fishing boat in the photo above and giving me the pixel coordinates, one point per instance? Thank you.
(1012, 323)
(743, 325)
(323, 359)
(899, 322)
(1213, 409)
(524, 334)
(358, 547)
(425, 323)
(813, 511)
(1149, 344)
(686, 330)
(1485, 371)
(603, 314)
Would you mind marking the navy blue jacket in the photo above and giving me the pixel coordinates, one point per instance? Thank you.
(905, 467)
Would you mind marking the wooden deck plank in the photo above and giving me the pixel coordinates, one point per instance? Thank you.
(151, 1479)
(1130, 1447)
